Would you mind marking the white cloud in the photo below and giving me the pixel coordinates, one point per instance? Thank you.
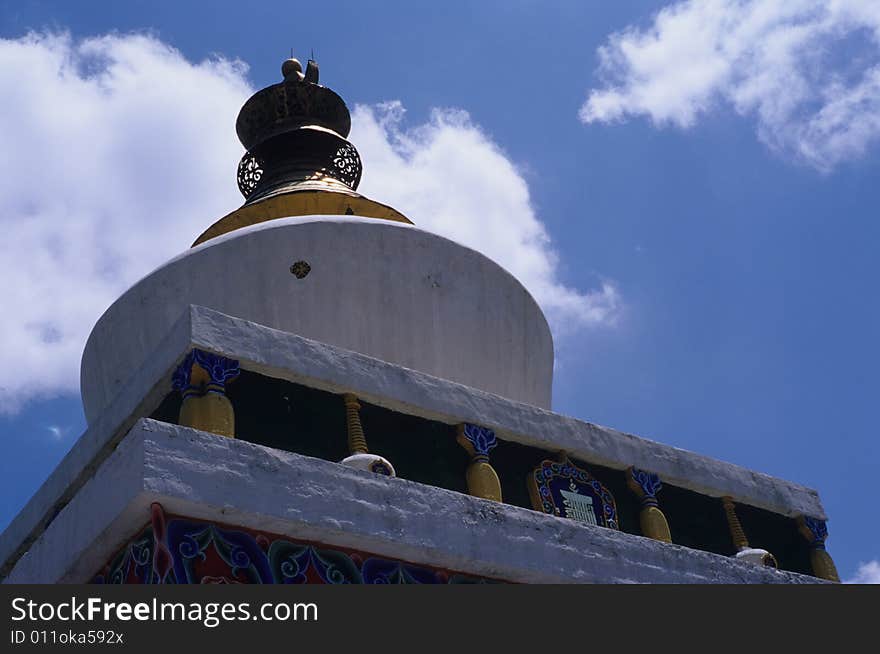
(807, 70)
(56, 431)
(868, 573)
(117, 152)
(450, 178)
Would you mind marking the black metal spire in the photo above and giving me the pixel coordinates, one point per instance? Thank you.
(295, 136)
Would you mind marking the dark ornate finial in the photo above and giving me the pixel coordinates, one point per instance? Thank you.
(295, 136)
(298, 160)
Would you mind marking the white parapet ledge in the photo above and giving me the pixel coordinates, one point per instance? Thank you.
(208, 477)
(287, 356)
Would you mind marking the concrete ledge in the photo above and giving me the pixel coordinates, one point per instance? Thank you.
(286, 356)
(208, 477)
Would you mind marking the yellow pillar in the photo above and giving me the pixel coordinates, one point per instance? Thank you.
(646, 485)
(357, 442)
(744, 551)
(201, 378)
(482, 480)
(737, 534)
(815, 531)
(359, 454)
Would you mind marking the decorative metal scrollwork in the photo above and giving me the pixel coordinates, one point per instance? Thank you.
(347, 166)
(250, 172)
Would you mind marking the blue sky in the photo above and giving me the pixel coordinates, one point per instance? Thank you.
(691, 195)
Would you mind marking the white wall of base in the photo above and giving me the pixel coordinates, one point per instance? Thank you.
(208, 477)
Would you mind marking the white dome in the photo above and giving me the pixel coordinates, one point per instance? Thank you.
(381, 288)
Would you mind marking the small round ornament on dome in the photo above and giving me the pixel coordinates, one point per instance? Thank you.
(292, 70)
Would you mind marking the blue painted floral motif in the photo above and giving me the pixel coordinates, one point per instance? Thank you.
(482, 439)
(188, 543)
(649, 484)
(818, 529)
(204, 552)
(220, 370)
(292, 562)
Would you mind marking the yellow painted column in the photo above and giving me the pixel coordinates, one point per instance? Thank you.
(737, 534)
(482, 480)
(201, 378)
(359, 454)
(357, 442)
(815, 531)
(646, 485)
(744, 551)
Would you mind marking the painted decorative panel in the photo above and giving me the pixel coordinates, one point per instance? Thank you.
(561, 488)
(178, 550)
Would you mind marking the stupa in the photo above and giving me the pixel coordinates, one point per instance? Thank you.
(318, 391)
